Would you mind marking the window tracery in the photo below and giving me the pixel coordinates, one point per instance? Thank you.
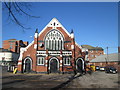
(54, 40)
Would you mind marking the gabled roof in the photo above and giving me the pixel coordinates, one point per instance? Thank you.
(103, 58)
(54, 23)
(91, 47)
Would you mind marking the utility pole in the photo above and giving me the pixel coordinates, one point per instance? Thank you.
(107, 54)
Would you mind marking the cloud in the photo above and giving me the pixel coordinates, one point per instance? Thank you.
(31, 36)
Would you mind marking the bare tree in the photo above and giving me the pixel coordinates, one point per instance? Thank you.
(17, 9)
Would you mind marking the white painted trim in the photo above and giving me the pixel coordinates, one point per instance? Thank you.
(53, 28)
(68, 58)
(35, 46)
(46, 61)
(60, 33)
(82, 62)
(19, 63)
(60, 55)
(36, 35)
(57, 61)
(72, 46)
(60, 65)
(72, 35)
(21, 53)
(40, 61)
(60, 61)
(78, 45)
(25, 61)
(30, 44)
(24, 49)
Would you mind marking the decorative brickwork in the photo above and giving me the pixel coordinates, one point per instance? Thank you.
(52, 50)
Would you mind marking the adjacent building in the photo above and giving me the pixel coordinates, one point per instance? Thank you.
(92, 52)
(53, 50)
(107, 60)
(9, 54)
(14, 45)
(8, 57)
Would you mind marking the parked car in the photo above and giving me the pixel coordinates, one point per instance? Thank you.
(97, 68)
(102, 68)
(111, 69)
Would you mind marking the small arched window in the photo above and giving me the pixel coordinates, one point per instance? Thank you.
(54, 40)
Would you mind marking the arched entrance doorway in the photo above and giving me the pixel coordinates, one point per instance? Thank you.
(27, 67)
(80, 65)
(54, 65)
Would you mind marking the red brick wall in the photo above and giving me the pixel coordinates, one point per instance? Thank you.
(15, 45)
(6, 45)
(94, 53)
(31, 52)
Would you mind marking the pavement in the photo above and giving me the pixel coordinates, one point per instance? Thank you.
(97, 79)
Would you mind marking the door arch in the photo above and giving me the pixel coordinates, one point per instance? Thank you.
(80, 65)
(54, 65)
(27, 65)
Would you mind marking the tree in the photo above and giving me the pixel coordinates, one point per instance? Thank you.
(20, 8)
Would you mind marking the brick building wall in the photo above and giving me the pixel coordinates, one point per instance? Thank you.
(53, 49)
(13, 45)
(93, 52)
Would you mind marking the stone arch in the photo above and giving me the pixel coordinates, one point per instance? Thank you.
(80, 65)
(53, 65)
(54, 40)
(27, 64)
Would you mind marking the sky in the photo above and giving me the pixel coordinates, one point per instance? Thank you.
(94, 23)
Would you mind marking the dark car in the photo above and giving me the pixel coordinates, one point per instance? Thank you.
(110, 70)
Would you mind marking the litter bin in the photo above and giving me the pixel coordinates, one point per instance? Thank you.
(92, 67)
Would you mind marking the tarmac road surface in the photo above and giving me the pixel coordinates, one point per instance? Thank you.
(97, 79)
(33, 81)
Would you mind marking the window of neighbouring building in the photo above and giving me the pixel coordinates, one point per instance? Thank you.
(40, 61)
(11, 45)
(91, 55)
(66, 60)
(96, 51)
(91, 51)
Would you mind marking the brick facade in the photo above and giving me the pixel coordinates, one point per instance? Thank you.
(93, 52)
(52, 50)
(13, 45)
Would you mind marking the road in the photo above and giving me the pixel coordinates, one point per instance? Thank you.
(34, 81)
(97, 79)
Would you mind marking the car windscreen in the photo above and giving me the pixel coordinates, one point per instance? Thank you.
(113, 68)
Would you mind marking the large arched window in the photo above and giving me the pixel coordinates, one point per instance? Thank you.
(54, 40)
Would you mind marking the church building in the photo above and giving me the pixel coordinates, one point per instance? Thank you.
(53, 50)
